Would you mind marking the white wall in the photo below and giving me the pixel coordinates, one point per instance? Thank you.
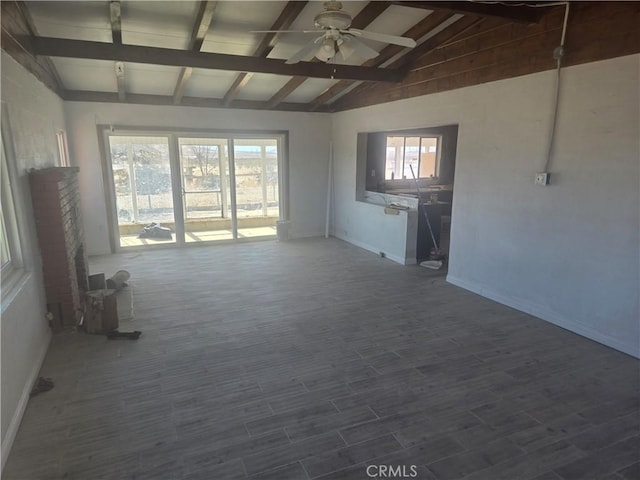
(32, 114)
(309, 136)
(567, 253)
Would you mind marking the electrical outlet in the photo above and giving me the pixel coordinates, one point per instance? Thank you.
(543, 178)
(373, 173)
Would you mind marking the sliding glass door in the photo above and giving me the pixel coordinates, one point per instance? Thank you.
(141, 172)
(204, 168)
(184, 189)
(256, 186)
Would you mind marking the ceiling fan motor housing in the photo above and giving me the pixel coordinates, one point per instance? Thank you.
(333, 19)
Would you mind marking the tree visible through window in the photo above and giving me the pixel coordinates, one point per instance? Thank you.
(404, 153)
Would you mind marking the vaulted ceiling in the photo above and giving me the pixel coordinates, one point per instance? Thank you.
(206, 53)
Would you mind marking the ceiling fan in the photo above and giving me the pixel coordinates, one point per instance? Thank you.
(337, 38)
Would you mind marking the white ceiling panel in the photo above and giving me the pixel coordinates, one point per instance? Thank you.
(150, 79)
(396, 20)
(209, 83)
(310, 89)
(158, 23)
(74, 20)
(169, 24)
(233, 23)
(91, 75)
(262, 86)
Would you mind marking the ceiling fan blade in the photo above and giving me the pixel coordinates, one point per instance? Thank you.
(382, 37)
(285, 31)
(351, 45)
(309, 49)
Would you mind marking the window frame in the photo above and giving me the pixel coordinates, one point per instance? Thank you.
(104, 132)
(12, 273)
(63, 149)
(421, 137)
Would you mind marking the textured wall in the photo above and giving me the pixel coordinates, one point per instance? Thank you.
(308, 155)
(31, 116)
(567, 253)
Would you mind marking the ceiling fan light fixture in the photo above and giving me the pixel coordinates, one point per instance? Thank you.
(337, 37)
(345, 49)
(327, 50)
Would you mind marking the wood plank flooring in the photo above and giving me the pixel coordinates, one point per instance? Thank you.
(315, 359)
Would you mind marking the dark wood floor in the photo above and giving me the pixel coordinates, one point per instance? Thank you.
(315, 359)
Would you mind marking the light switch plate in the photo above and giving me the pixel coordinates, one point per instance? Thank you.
(542, 178)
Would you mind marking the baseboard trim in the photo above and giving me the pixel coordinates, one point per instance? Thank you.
(546, 315)
(14, 425)
(372, 249)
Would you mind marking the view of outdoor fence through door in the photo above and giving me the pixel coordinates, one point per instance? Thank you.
(143, 194)
(171, 187)
(204, 164)
(256, 186)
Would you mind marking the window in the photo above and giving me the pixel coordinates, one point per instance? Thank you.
(63, 150)
(10, 241)
(405, 154)
(384, 160)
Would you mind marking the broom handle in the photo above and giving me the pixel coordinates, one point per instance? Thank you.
(424, 211)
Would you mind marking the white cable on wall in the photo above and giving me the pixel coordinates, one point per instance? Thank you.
(558, 54)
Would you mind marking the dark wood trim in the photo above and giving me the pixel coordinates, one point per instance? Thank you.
(202, 24)
(116, 21)
(416, 32)
(238, 84)
(198, 34)
(34, 31)
(181, 84)
(367, 15)
(285, 91)
(116, 35)
(596, 31)
(18, 27)
(59, 47)
(144, 99)
(289, 13)
(514, 13)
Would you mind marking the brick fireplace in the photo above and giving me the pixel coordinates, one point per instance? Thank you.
(55, 196)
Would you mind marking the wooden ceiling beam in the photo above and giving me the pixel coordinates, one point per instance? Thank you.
(115, 14)
(60, 47)
(513, 13)
(198, 34)
(145, 99)
(33, 31)
(416, 32)
(367, 15)
(288, 15)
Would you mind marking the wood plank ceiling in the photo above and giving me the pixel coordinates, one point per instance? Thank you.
(207, 54)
